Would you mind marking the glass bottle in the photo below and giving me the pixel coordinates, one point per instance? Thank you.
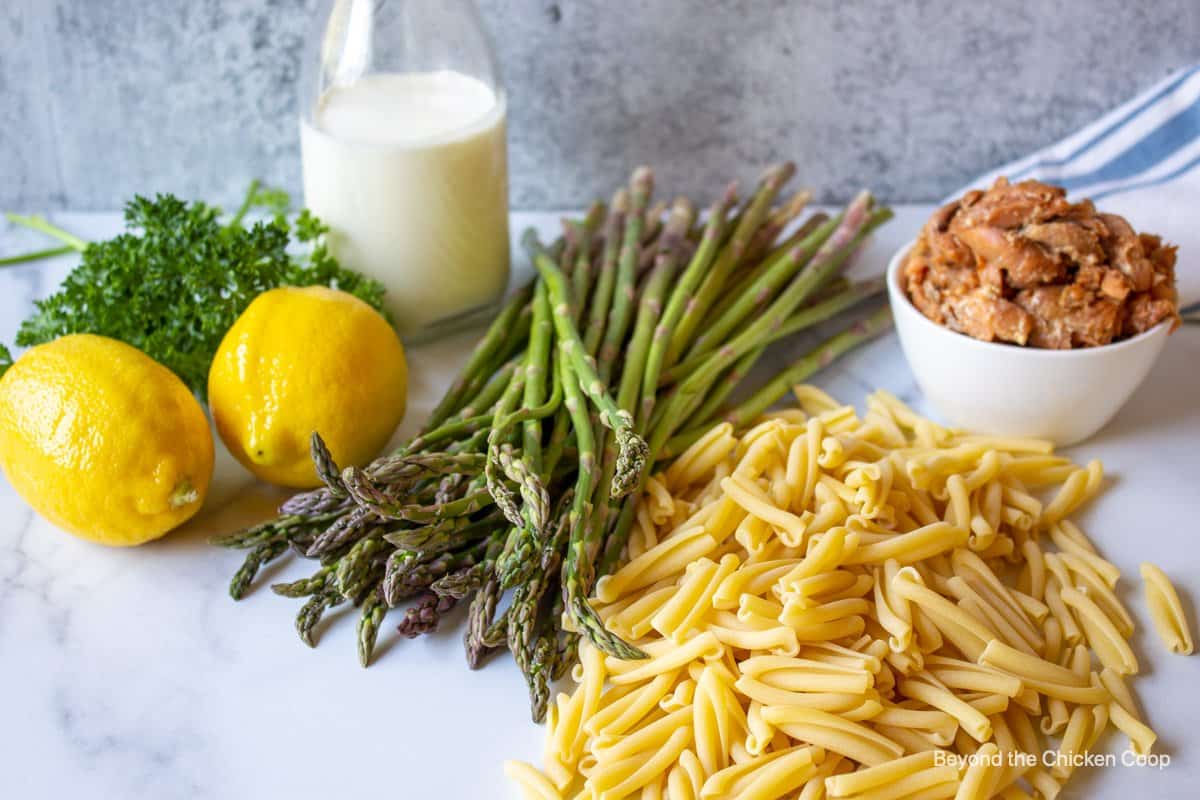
(404, 154)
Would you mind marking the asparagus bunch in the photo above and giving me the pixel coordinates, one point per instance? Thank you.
(639, 324)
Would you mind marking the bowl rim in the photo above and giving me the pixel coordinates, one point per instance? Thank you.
(895, 290)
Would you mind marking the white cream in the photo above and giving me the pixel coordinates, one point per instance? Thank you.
(410, 172)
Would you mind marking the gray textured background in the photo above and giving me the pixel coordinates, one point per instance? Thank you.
(103, 98)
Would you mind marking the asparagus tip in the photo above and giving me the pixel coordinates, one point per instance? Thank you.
(364, 493)
(530, 240)
(642, 180)
(585, 616)
(779, 174)
(326, 466)
(682, 212)
(729, 196)
(798, 202)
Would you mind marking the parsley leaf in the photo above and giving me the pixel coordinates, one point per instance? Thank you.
(178, 278)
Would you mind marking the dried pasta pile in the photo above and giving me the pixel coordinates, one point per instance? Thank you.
(835, 606)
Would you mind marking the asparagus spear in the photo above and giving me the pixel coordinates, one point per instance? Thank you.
(378, 502)
(632, 451)
(312, 611)
(504, 497)
(259, 556)
(525, 470)
(305, 587)
(640, 187)
(607, 280)
(634, 377)
(370, 616)
(581, 276)
(582, 539)
(706, 295)
(681, 296)
(515, 562)
(424, 615)
(523, 616)
(479, 619)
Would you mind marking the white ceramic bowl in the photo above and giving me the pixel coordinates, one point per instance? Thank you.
(1061, 395)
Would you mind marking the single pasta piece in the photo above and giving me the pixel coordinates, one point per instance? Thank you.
(1141, 737)
(1102, 634)
(872, 777)
(981, 775)
(1166, 610)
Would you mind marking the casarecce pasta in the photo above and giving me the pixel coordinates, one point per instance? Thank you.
(844, 607)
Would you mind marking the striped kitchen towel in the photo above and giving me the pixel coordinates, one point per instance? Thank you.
(1141, 160)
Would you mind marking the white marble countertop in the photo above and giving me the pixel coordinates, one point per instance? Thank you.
(130, 673)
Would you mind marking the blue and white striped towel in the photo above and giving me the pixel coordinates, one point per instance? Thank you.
(1141, 160)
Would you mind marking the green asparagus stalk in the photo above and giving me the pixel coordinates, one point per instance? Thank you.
(439, 536)
(283, 528)
(581, 275)
(583, 537)
(255, 560)
(378, 502)
(479, 619)
(423, 617)
(305, 587)
(516, 561)
(371, 615)
(327, 469)
(311, 612)
(681, 296)
(632, 451)
(729, 257)
(606, 282)
(536, 374)
(523, 618)
(504, 497)
(528, 523)
(633, 376)
(640, 187)
(541, 669)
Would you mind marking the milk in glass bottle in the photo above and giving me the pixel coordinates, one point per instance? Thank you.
(403, 145)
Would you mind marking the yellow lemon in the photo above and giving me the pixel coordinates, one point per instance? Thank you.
(300, 360)
(103, 441)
